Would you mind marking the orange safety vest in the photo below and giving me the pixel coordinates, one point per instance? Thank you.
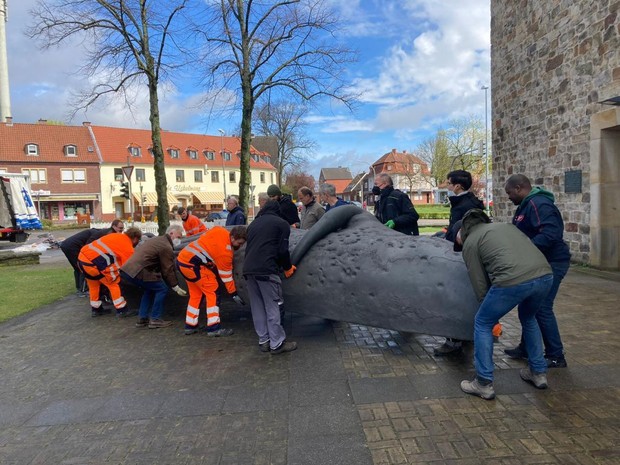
(212, 250)
(192, 225)
(105, 255)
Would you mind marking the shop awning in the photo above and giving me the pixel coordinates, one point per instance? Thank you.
(67, 197)
(151, 199)
(206, 198)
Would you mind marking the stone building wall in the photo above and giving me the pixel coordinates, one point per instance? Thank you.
(552, 61)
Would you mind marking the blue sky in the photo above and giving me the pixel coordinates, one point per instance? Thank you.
(421, 64)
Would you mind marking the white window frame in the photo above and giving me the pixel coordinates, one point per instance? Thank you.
(232, 177)
(209, 155)
(192, 154)
(118, 176)
(38, 171)
(69, 148)
(135, 151)
(227, 156)
(215, 174)
(198, 174)
(143, 177)
(174, 153)
(180, 178)
(74, 178)
(32, 150)
(262, 177)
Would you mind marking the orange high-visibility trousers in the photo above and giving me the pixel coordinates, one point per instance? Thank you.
(206, 285)
(112, 284)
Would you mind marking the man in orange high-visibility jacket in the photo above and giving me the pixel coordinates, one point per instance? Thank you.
(191, 224)
(199, 262)
(101, 260)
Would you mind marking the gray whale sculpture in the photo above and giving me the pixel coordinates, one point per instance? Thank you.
(352, 268)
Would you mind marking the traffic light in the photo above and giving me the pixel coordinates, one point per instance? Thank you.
(125, 189)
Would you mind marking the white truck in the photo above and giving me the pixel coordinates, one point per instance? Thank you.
(17, 211)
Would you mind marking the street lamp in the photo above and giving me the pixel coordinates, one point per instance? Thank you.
(486, 150)
(222, 132)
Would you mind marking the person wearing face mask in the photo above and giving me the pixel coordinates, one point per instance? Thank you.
(201, 263)
(151, 268)
(394, 208)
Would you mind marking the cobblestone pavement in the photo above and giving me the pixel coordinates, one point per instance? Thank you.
(82, 390)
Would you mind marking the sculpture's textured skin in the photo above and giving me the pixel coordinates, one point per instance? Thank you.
(352, 268)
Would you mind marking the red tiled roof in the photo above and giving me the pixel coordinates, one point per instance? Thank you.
(113, 143)
(401, 162)
(50, 139)
(339, 184)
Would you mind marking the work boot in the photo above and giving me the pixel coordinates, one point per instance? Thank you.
(286, 346)
(264, 347)
(556, 362)
(142, 323)
(125, 312)
(517, 353)
(159, 323)
(222, 332)
(95, 312)
(189, 330)
(477, 389)
(450, 347)
(537, 379)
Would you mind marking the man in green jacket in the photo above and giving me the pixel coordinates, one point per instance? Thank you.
(506, 270)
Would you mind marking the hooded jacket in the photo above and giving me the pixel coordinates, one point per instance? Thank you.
(459, 205)
(498, 254)
(266, 249)
(396, 205)
(540, 220)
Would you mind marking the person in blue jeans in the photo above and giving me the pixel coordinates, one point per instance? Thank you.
(151, 268)
(539, 219)
(506, 270)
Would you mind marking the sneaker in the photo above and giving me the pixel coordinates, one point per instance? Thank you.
(189, 330)
(286, 346)
(264, 347)
(95, 312)
(159, 323)
(556, 362)
(448, 348)
(537, 379)
(81, 294)
(222, 332)
(517, 353)
(475, 388)
(126, 312)
(142, 323)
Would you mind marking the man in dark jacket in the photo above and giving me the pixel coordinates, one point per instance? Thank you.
(266, 252)
(71, 247)
(151, 268)
(236, 216)
(459, 183)
(505, 271)
(288, 210)
(394, 208)
(541, 221)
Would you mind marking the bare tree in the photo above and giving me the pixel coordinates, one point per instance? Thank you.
(128, 43)
(434, 151)
(285, 47)
(284, 121)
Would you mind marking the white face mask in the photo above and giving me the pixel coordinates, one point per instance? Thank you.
(176, 242)
(451, 194)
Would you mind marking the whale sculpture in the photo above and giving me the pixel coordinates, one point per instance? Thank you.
(352, 268)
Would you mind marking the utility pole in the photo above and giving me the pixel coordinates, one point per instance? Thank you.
(222, 132)
(5, 97)
(486, 152)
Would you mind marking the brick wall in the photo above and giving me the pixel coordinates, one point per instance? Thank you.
(552, 62)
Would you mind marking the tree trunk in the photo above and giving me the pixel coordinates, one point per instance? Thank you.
(161, 185)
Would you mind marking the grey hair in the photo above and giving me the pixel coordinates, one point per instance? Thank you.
(262, 196)
(175, 227)
(386, 178)
(234, 198)
(328, 189)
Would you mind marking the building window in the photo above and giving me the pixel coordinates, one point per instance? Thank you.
(215, 176)
(267, 159)
(135, 151)
(271, 177)
(174, 153)
(118, 174)
(227, 156)
(3, 170)
(73, 176)
(36, 176)
(197, 176)
(32, 149)
(71, 150)
(262, 177)
(150, 149)
(180, 175)
(255, 157)
(389, 167)
(192, 154)
(209, 155)
(140, 174)
(232, 176)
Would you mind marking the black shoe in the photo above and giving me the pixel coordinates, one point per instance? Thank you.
(556, 362)
(286, 346)
(126, 312)
(189, 330)
(95, 312)
(517, 353)
(264, 347)
(448, 348)
(142, 323)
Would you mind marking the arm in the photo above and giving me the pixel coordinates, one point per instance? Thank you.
(224, 263)
(407, 214)
(547, 222)
(477, 274)
(166, 261)
(284, 257)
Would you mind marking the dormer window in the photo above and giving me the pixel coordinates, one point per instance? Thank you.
(209, 155)
(32, 149)
(70, 150)
(267, 159)
(174, 153)
(227, 156)
(135, 151)
(255, 157)
(193, 154)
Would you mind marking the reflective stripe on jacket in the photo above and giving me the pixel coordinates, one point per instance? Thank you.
(192, 225)
(106, 254)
